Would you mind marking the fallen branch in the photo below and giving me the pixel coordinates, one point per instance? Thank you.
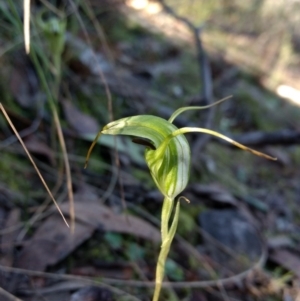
(8, 296)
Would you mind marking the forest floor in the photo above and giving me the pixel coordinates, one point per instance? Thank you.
(238, 239)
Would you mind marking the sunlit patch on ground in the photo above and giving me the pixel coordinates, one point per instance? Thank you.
(152, 16)
(150, 7)
(289, 93)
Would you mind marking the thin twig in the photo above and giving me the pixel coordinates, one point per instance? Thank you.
(223, 292)
(135, 283)
(69, 277)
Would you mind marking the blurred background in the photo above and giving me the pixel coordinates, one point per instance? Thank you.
(91, 62)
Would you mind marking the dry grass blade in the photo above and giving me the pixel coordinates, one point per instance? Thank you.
(32, 161)
(67, 166)
(27, 25)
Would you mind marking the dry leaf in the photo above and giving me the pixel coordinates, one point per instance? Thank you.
(103, 217)
(214, 192)
(8, 239)
(85, 59)
(37, 146)
(80, 122)
(287, 259)
(53, 241)
(23, 83)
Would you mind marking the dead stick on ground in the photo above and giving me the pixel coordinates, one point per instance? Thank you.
(8, 295)
(136, 283)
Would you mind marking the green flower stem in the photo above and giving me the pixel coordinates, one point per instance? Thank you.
(167, 155)
(165, 217)
(167, 235)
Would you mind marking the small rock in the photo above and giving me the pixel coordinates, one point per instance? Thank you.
(234, 232)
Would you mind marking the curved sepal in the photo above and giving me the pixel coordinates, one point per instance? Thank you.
(169, 161)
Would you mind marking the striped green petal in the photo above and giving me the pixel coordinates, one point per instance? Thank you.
(169, 163)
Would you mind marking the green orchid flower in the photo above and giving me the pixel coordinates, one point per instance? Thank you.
(168, 157)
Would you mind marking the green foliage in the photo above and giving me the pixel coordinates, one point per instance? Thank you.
(135, 252)
(186, 221)
(12, 168)
(174, 271)
(114, 240)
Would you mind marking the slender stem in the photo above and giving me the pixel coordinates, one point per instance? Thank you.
(165, 217)
(167, 237)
